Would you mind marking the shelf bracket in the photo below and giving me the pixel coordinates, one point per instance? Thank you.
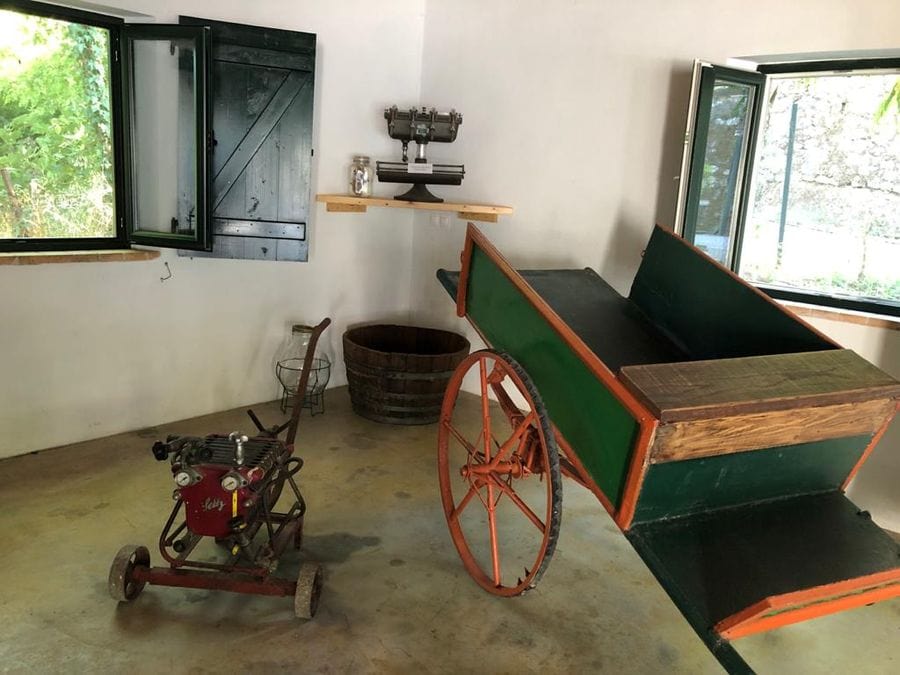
(346, 208)
(483, 217)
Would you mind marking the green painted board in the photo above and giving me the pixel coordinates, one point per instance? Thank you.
(719, 563)
(708, 313)
(599, 428)
(674, 489)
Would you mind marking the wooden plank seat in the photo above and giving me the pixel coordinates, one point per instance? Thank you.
(734, 405)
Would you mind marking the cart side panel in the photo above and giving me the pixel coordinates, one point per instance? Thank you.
(598, 427)
(680, 488)
(708, 311)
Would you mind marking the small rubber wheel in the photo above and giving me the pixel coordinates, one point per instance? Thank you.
(122, 585)
(309, 588)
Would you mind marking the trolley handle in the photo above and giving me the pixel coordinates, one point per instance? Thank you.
(291, 424)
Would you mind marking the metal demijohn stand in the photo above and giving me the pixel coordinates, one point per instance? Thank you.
(289, 367)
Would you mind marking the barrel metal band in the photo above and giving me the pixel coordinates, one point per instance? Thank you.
(357, 369)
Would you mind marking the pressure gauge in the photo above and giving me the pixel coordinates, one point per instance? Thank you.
(230, 482)
(183, 478)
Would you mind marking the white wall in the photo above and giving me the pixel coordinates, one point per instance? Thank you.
(88, 350)
(574, 114)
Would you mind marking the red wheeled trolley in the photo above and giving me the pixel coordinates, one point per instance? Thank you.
(717, 429)
(227, 488)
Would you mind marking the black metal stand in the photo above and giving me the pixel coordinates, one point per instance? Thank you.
(419, 193)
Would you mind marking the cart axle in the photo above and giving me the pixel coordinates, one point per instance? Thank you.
(514, 469)
(215, 581)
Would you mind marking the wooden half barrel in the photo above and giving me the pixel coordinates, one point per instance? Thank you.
(398, 374)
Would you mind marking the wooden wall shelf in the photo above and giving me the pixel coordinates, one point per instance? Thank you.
(349, 204)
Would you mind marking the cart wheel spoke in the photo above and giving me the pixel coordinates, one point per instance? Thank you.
(531, 515)
(492, 528)
(464, 502)
(514, 456)
(485, 410)
(462, 441)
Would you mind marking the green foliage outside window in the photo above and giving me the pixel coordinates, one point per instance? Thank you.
(890, 102)
(56, 158)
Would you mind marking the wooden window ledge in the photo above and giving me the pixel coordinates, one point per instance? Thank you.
(106, 255)
(844, 315)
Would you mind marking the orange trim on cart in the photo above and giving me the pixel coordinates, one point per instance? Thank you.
(870, 447)
(637, 470)
(465, 258)
(810, 603)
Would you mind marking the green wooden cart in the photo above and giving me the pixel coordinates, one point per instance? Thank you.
(718, 429)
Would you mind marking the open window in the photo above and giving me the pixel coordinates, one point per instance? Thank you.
(717, 156)
(789, 178)
(166, 127)
(59, 93)
(107, 134)
(103, 131)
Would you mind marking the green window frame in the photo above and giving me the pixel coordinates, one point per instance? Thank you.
(122, 87)
(695, 171)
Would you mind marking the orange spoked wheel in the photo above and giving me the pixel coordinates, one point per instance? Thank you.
(499, 471)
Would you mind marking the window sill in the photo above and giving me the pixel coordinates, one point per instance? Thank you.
(844, 315)
(43, 257)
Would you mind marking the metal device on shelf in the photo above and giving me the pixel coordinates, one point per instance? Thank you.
(423, 126)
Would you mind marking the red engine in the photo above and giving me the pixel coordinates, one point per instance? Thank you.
(227, 488)
(222, 480)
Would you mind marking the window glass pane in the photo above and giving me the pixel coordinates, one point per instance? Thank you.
(825, 211)
(723, 161)
(56, 157)
(164, 140)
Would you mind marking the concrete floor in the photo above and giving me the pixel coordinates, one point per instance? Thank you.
(396, 597)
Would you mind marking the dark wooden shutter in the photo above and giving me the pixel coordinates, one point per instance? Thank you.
(262, 103)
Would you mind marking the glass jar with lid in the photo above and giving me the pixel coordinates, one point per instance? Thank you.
(361, 177)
